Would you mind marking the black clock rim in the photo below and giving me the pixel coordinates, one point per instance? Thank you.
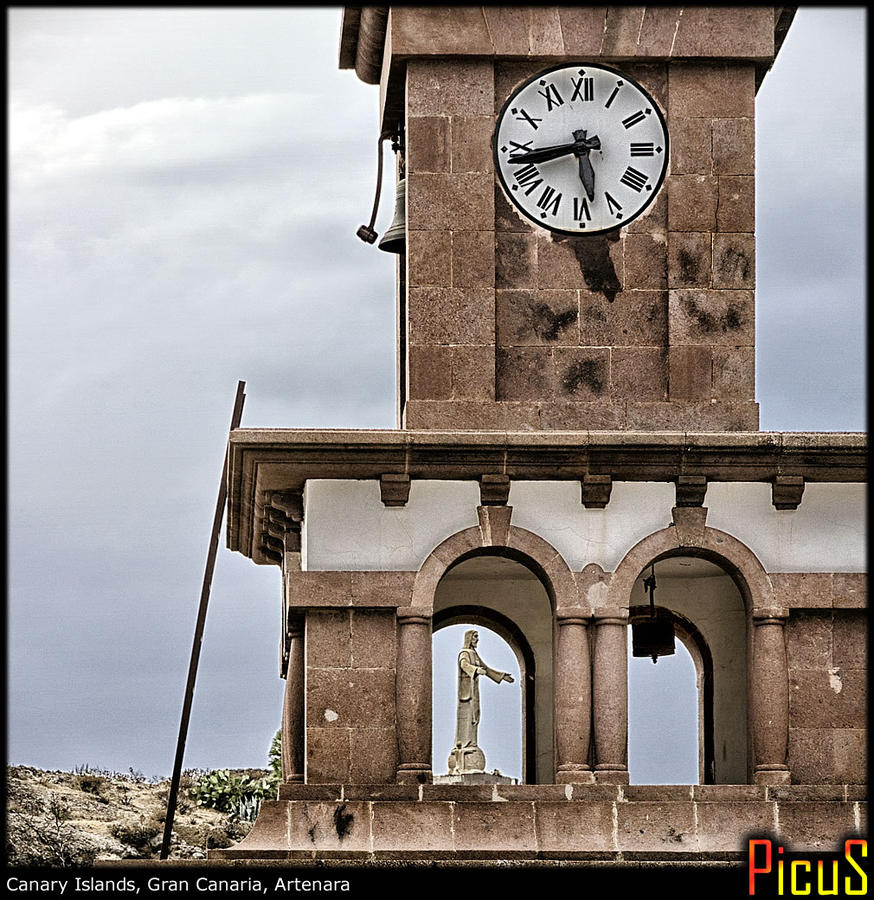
(581, 232)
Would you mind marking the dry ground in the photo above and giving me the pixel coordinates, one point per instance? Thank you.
(73, 819)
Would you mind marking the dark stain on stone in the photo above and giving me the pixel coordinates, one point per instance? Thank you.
(689, 266)
(312, 833)
(547, 324)
(732, 319)
(589, 374)
(709, 323)
(342, 821)
(593, 256)
(734, 265)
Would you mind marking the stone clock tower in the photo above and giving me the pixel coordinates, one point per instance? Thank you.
(513, 327)
(576, 412)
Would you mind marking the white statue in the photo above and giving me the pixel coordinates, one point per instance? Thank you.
(466, 756)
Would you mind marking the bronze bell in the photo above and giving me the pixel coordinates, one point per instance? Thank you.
(395, 238)
(652, 635)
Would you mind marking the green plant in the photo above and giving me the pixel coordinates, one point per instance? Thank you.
(238, 794)
(274, 757)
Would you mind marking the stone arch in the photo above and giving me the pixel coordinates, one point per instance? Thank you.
(520, 545)
(716, 546)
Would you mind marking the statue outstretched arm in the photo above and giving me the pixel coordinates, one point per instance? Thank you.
(497, 676)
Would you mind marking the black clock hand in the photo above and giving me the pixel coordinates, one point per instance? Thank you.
(543, 154)
(587, 174)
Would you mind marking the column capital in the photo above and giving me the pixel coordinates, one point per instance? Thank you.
(574, 615)
(610, 615)
(770, 615)
(413, 615)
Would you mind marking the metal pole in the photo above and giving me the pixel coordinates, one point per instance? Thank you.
(198, 630)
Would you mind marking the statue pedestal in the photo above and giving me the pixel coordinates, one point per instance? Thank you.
(474, 778)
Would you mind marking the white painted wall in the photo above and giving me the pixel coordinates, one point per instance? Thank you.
(346, 527)
(825, 534)
(554, 510)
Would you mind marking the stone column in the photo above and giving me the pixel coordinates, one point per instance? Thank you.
(573, 697)
(413, 696)
(610, 695)
(769, 694)
(292, 708)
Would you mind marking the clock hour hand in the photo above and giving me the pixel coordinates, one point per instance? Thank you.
(587, 173)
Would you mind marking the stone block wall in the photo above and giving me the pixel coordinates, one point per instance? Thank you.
(827, 657)
(350, 696)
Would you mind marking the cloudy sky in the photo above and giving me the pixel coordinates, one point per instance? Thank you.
(184, 191)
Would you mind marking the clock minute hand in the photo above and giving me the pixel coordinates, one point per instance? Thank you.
(543, 154)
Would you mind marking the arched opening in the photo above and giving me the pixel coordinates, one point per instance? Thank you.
(497, 593)
(694, 702)
(666, 734)
(500, 736)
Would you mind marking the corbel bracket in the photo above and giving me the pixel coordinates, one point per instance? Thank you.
(691, 490)
(281, 523)
(786, 491)
(494, 490)
(394, 490)
(596, 490)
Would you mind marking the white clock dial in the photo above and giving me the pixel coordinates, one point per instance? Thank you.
(581, 149)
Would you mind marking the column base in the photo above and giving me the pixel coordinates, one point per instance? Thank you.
(608, 774)
(574, 774)
(293, 779)
(772, 775)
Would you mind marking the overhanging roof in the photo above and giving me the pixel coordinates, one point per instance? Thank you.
(264, 460)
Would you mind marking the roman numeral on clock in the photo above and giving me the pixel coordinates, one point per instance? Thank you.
(526, 175)
(519, 147)
(642, 149)
(581, 208)
(634, 179)
(584, 88)
(548, 202)
(612, 96)
(524, 117)
(613, 205)
(633, 119)
(552, 97)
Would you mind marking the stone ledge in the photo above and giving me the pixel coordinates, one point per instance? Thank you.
(662, 827)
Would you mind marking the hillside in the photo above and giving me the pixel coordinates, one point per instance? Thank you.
(75, 818)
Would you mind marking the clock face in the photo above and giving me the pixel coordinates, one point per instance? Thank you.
(581, 149)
